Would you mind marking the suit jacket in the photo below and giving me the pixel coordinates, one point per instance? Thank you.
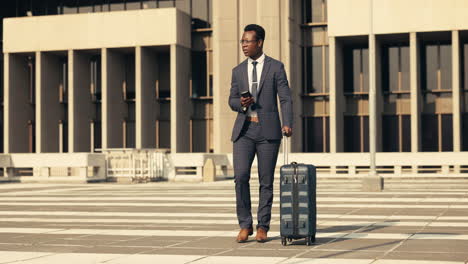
(273, 84)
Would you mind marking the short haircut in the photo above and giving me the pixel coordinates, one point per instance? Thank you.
(259, 31)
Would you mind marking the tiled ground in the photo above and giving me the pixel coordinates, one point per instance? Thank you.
(196, 223)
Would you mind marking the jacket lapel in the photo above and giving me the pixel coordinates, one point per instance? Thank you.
(266, 68)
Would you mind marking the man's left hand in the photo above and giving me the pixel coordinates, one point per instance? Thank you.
(287, 131)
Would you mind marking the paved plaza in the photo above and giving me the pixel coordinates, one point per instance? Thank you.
(196, 223)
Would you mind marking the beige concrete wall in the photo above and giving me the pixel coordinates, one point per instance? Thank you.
(81, 110)
(181, 106)
(146, 27)
(49, 110)
(146, 110)
(226, 55)
(113, 106)
(347, 18)
(18, 110)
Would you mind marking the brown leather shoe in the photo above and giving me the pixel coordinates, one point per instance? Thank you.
(244, 234)
(261, 235)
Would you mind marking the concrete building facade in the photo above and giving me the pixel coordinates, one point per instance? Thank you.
(366, 75)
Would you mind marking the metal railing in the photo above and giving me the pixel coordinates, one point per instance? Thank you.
(137, 165)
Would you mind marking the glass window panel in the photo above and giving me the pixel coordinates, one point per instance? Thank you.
(307, 72)
(327, 88)
(149, 4)
(117, 6)
(390, 133)
(183, 5)
(465, 66)
(365, 70)
(317, 10)
(357, 58)
(85, 9)
(429, 131)
(317, 67)
(307, 11)
(166, 3)
(199, 73)
(406, 133)
(133, 5)
(465, 131)
(393, 68)
(447, 132)
(164, 134)
(446, 66)
(405, 68)
(313, 132)
(352, 140)
(431, 67)
(199, 135)
(365, 125)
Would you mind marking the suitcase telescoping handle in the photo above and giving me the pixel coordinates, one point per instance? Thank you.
(285, 149)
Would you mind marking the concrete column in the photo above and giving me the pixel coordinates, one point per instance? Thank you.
(291, 55)
(226, 54)
(181, 106)
(18, 109)
(81, 108)
(113, 105)
(415, 93)
(49, 109)
(145, 87)
(337, 102)
(456, 91)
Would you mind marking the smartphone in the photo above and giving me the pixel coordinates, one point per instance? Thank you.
(246, 94)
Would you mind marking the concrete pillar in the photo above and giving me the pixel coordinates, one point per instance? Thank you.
(81, 108)
(18, 109)
(181, 105)
(415, 93)
(226, 54)
(49, 109)
(337, 100)
(456, 91)
(113, 105)
(146, 65)
(291, 54)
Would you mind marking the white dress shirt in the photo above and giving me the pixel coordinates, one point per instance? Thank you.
(259, 67)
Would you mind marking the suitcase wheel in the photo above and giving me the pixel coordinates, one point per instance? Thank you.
(289, 239)
(283, 241)
(310, 240)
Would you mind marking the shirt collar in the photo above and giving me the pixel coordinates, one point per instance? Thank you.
(260, 60)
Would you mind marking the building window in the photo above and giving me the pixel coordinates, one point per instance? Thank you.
(356, 88)
(315, 79)
(201, 121)
(396, 120)
(357, 134)
(464, 94)
(436, 78)
(314, 11)
(316, 131)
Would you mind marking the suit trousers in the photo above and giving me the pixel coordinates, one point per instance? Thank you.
(251, 143)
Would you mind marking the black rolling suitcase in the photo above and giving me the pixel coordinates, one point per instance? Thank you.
(298, 207)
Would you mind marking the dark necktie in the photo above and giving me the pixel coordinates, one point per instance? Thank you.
(254, 84)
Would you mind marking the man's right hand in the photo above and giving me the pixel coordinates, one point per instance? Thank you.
(247, 101)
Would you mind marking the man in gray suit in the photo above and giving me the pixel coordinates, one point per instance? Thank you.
(257, 129)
